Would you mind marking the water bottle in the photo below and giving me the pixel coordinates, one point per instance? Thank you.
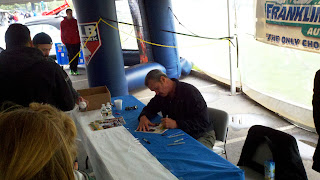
(109, 109)
(269, 170)
(104, 112)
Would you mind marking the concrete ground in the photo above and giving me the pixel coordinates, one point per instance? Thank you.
(243, 113)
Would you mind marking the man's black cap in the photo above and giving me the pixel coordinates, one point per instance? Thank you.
(42, 38)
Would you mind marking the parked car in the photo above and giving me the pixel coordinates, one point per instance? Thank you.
(37, 24)
(47, 24)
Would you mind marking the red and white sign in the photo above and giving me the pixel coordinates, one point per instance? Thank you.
(94, 42)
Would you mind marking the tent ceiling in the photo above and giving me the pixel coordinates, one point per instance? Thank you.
(7, 2)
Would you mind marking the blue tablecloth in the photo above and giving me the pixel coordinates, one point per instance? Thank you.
(191, 160)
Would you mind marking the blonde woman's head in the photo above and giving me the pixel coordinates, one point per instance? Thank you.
(37, 142)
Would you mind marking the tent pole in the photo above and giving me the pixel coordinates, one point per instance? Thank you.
(232, 81)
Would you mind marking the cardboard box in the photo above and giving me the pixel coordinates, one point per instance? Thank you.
(96, 96)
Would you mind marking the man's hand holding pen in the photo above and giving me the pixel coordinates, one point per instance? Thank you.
(169, 123)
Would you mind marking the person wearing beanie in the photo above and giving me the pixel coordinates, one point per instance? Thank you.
(43, 42)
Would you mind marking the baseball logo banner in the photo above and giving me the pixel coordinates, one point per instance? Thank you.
(92, 35)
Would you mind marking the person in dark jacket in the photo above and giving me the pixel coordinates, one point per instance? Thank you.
(316, 119)
(182, 106)
(70, 37)
(27, 77)
(43, 42)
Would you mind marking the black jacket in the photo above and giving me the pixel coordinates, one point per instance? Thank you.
(284, 148)
(316, 119)
(76, 95)
(187, 108)
(25, 77)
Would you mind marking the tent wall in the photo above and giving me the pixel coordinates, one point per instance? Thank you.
(279, 78)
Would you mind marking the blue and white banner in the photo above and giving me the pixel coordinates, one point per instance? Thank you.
(289, 23)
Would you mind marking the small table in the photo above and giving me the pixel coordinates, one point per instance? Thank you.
(115, 153)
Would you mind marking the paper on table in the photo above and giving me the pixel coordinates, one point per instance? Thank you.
(107, 123)
(158, 129)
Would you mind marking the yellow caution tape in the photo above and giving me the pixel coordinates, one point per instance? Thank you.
(151, 43)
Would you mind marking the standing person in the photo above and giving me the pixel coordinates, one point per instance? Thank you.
(27, 77)
(182, 106)
(10, 18)
(16, 16)
(316, 119)
(34, 13)
(70, 37)
(27, 15)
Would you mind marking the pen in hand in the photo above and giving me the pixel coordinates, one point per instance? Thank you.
(144, 139)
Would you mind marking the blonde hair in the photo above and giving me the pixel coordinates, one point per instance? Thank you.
(37, 142)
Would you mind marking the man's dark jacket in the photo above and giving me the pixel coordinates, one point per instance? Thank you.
(76, 95)
(25, 77)
(285, 153)
(316, 119)
(187, 108)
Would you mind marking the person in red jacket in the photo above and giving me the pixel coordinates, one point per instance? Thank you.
(70, 37)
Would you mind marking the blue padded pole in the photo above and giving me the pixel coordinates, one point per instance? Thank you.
(160, 17)
(106, 66)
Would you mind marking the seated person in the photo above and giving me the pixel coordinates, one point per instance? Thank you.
(27, 76)
(43, 42)
(182, 106)
(37, 142)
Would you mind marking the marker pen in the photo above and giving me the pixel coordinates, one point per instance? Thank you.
(173, 144)
(176, 135)
(144, 139)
